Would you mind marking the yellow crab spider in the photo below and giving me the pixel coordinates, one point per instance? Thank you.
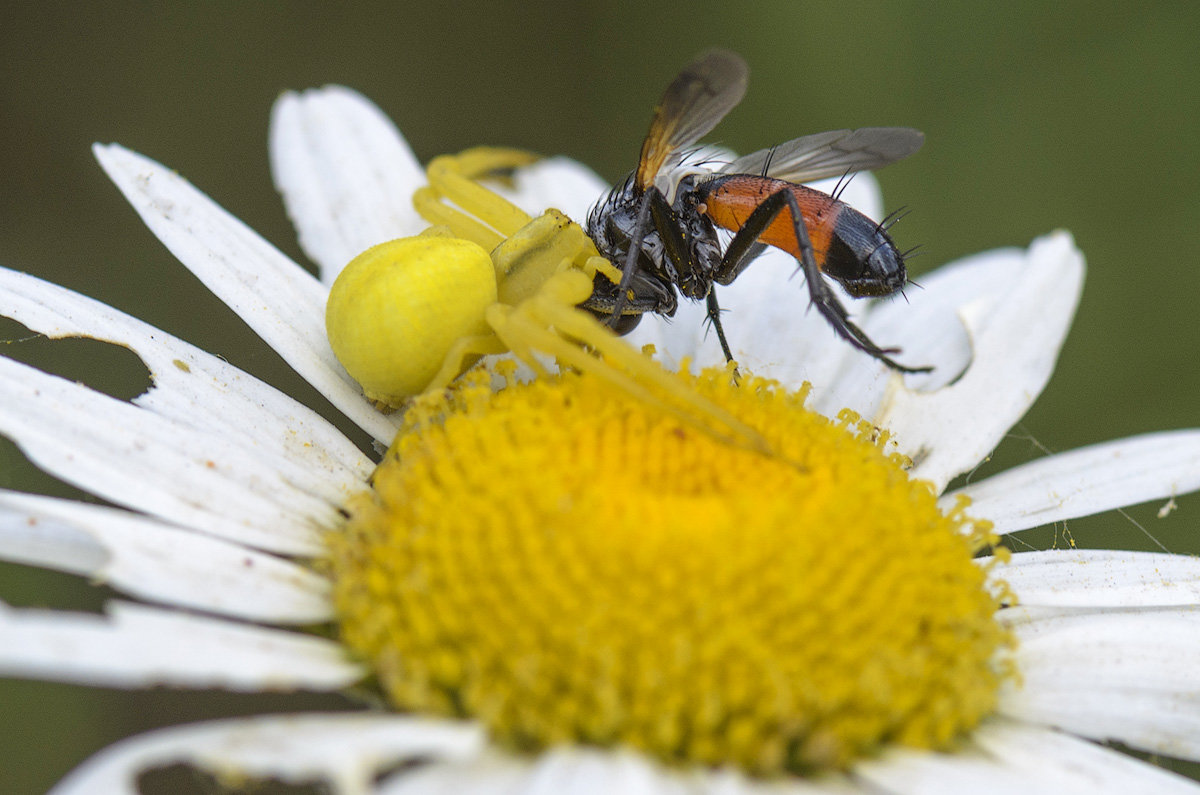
(409, 316)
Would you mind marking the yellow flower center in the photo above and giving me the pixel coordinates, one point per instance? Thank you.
(567, 565)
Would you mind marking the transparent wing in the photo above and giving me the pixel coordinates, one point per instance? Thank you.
(830, 154)
(696, 100)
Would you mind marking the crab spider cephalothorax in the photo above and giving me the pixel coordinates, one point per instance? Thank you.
(526, 303)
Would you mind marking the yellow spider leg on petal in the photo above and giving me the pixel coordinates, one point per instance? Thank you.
(430, 206)
(455, 181)
(484, 161)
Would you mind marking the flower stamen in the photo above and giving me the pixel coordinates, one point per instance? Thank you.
(568, 565)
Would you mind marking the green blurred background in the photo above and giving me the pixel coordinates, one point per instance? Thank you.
(1078, 115)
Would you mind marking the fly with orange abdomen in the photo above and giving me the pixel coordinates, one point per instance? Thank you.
(660, 226)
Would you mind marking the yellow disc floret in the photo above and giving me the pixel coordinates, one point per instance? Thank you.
(398, 307)
(566, 564)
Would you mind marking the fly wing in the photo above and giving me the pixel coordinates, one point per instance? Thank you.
(830, 154)
(698, 98)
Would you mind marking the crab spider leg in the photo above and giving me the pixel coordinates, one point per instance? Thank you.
(527, 326)
(446, 177)
(452, 177)
(463, 348)
(431, 207)
(524, 329)
(482, 161)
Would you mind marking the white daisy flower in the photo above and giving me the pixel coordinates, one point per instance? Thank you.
(230, 534)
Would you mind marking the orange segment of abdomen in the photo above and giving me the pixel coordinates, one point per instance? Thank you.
(730, 201)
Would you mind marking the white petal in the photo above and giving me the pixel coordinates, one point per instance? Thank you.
(1002, 758)
(1015, 342)
(1088, 480)
(905, 772)
(1102, 578)
(275, 296)
(1077, 765)
(347, 751)
(155, 464)
(1127, 675)
(195, 387)
(137, 646)
(768, 321)
(774, 331)
(158, 562)
(584, 770)
(679, 337)
(346, 174)
(925, 324)
(489, 774)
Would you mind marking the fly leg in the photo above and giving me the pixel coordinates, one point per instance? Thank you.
(739, 254)
(640, 227)
(714, 318)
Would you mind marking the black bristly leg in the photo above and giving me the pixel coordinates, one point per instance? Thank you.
(640, 228)
(714, 317)
(820, 294)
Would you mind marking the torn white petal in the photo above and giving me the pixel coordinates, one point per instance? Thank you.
(154, 561)
(1128, 675)
(135, 646)
(194, 387)
(346, 751)
(346, 174)
(277, 298)
(1015, 340)
(1102, 578)
(156, 465)
(1088, 480)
